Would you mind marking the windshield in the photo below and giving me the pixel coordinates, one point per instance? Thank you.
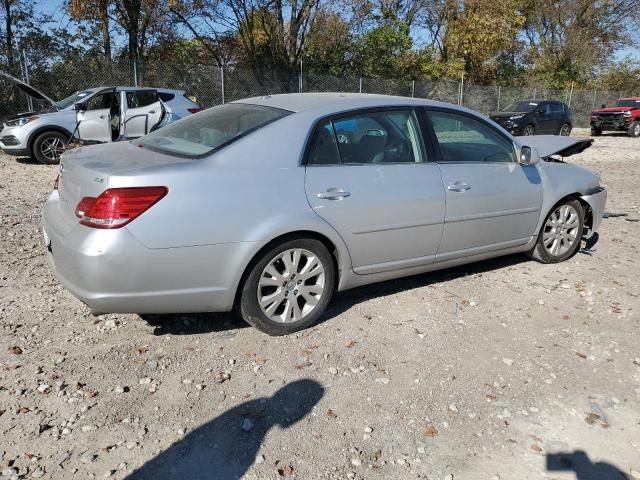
(204, 132)
(520, 107)
(75, 98)
(628, 103)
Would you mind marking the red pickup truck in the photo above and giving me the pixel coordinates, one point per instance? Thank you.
(624, 117)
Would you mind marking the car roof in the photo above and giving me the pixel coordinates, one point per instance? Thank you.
(333, 102)
(121, 88)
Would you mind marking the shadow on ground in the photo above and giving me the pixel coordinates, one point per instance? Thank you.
(199, 323)
(579, 463)
(28, 161)
(226, 447)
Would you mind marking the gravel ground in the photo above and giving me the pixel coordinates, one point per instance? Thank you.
(488, 371)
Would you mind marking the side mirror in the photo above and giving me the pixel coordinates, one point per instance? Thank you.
(80, 107)
(542, 111)
(528, 156)
(604, 105)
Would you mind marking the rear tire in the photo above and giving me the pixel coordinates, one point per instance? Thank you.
(49, 146)
(634, 129)
(289, 287)
(528, 130)
(560, 234)
(595, 132)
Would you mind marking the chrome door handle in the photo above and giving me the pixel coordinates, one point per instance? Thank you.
(333, 194)
(458, 187)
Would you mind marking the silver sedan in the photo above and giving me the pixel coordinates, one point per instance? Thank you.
(269, 205)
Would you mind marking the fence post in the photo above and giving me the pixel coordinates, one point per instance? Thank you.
(26, 78)
(135, 73)
(461, 89)
(535, 90)
(571, 94)
(360, 85)
(222, 82)
(300, 79)
(499, 97)
(413, 88)
(595, 94)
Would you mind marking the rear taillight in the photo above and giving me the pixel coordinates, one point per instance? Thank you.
(84, 206)
(194, 110)
(116, 207)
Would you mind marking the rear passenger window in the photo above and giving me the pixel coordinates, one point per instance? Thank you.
(166, 97)
(557, 107)
(323, 149)
(141, 98)
(464, 139)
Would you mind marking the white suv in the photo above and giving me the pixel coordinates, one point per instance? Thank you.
(95, 115)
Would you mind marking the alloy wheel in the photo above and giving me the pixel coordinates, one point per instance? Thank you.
(561, 230)
(528, 130)
(565, 130)
(52, 148)
(636, 130)
(291, 285)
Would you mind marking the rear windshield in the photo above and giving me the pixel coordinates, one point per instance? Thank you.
(628, 103)
(200, 134)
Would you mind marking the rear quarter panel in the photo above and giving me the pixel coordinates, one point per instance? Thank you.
(251, 191)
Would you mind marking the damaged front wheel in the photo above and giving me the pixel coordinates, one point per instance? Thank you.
(561, 233)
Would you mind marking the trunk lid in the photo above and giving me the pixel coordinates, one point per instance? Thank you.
(548, 145)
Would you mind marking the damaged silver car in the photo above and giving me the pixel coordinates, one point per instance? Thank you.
(269, 205)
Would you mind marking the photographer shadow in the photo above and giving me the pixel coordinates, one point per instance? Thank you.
(583, 467)
(226, 447)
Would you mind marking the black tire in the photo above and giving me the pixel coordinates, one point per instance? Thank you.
(49, 146)
(565, 130)
(528, 130)
(541, 253)
(595, 132)
(249, 307)
(634, 129)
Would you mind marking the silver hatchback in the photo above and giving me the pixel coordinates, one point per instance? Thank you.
(269, 205)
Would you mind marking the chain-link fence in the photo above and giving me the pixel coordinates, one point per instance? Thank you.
(211, 85)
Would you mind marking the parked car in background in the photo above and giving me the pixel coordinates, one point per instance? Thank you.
(624, 117)
(535, 117)
(104, 114)
(271, 204)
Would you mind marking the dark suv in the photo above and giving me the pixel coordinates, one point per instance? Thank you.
(535, 117)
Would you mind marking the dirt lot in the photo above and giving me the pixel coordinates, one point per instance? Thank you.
(483, 372)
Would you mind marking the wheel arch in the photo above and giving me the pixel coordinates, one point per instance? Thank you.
(337, 254)
(43, 129)
(588, 214)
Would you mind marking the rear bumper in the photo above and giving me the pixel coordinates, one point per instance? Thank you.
(112, 272)
(597, 201)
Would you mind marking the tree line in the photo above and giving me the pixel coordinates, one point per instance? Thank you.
(507, 42)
